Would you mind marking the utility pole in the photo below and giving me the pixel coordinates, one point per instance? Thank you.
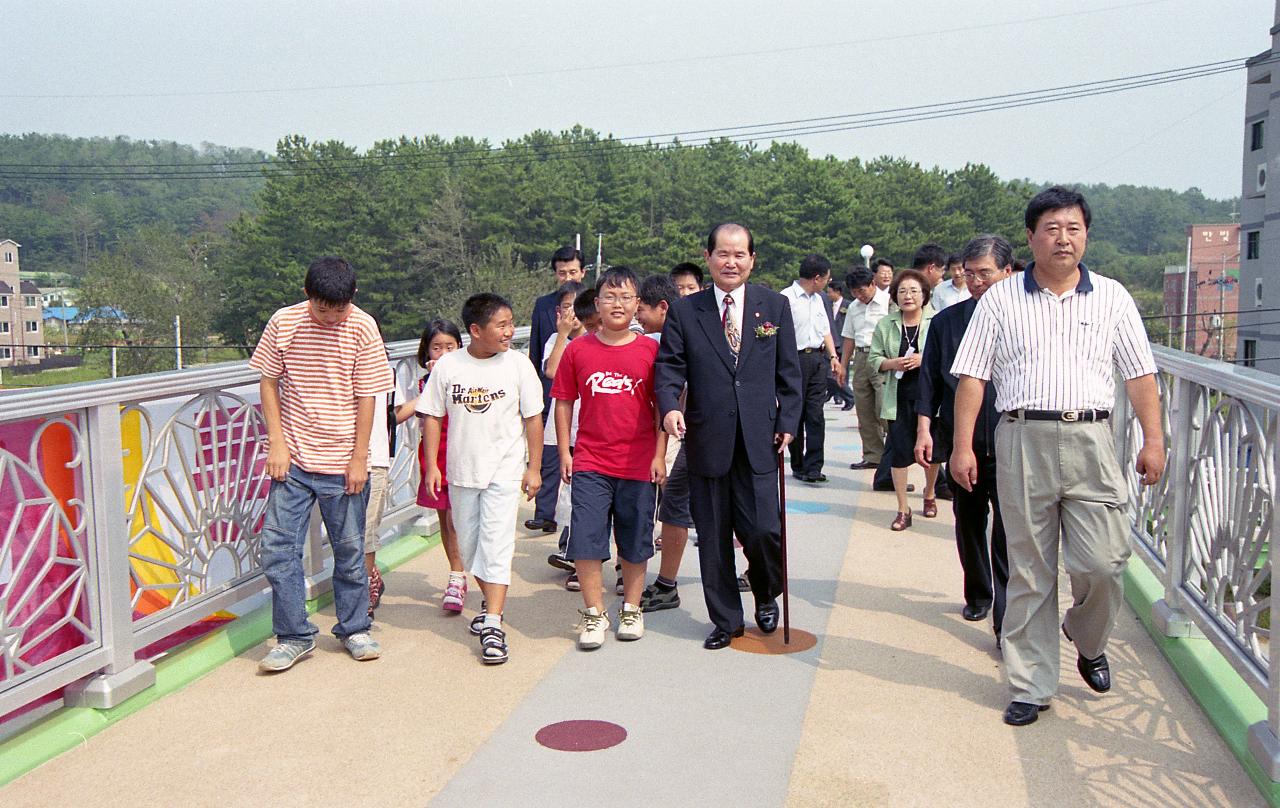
(177, 339)
(1186, 297)
(599, 254)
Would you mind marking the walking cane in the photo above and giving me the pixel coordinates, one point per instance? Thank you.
(782, 514)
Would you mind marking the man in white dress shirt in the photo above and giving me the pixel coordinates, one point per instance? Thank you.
(818, 362)
(870, 304)
(951, 290)
(1051, 342)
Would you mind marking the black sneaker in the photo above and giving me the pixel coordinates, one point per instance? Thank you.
(545, 525)
(572, 584)
(743, 584)
(618, 587)
(560, 562)
(655, 599)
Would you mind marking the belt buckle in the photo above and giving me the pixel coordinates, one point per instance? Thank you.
(1071, 415)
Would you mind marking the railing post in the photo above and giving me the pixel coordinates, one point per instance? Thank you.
(1165, 613)
(1264, 736)
(124, 675)
(319, 580)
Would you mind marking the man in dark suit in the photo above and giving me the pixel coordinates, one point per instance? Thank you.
(567, 264)
(987, 260)
(734, 346)
(837, 310)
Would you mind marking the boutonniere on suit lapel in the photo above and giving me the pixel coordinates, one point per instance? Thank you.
(765, 329)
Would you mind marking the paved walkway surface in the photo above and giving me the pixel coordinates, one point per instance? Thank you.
(897, 704)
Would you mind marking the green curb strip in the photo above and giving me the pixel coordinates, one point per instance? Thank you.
(72, 726)
(1230, 704)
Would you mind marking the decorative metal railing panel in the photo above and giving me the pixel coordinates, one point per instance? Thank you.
(1206, 530)
(49, 613)
(1231, 497)
(1150, 504)
(195, 504)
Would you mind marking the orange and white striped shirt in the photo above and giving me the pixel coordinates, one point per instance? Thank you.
(322, 370)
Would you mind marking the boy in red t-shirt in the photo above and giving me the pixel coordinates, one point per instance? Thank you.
(619, 458)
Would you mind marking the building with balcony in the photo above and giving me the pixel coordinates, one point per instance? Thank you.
(21, 312)
(1212, 275)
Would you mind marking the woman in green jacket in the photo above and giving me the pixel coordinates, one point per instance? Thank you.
(896, 348)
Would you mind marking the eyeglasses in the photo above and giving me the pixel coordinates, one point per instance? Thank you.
(984, 274)
(610, 300)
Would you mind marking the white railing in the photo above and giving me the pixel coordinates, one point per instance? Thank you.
(1206, 529)
(129, 511)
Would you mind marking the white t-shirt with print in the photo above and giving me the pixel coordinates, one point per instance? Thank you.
(549, 428)
(487, 401)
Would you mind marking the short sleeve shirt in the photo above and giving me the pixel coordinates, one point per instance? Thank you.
(617, 421)
(1048, 352)
(322, 371)
(486, 401)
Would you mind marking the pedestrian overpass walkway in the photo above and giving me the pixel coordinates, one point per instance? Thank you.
(897, 703)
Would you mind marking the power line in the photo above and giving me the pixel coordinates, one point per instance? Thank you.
(1210, 313)
(589, 68)
(515, 152)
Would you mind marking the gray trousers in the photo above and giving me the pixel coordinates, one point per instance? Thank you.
(1059, 483)
(868, 390)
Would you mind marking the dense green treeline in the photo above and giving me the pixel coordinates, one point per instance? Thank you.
(65, 223)
(426, 221)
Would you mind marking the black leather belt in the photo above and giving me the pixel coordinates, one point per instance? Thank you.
(812, 350)
(1070, 416)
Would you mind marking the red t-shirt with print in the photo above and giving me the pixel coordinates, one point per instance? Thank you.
(617, 431)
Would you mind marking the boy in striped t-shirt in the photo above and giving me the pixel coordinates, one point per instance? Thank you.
(322, 362)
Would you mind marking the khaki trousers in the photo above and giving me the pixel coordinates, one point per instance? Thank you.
(868, 391)
(1059, 482)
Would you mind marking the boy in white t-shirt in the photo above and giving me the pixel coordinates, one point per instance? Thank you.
(493, 398)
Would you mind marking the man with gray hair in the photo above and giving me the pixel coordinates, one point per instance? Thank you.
(985, 261)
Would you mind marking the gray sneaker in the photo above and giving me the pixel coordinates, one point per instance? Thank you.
(284, 655)
(655, 599)
(362, 647)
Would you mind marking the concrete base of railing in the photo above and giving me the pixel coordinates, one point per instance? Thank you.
(1173, 622)
(319, 585)
(1265, 747)
(106, 690)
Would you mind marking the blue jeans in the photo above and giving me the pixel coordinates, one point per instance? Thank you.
(284, 534)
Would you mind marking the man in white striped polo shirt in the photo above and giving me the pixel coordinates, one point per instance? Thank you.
(1050, 341)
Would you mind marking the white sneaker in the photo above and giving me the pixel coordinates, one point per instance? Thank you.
(591, 628)
(630, 623)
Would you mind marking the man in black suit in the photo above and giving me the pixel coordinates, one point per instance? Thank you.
(734, 346)
(567, 264)
(987, 261)
(837, 310)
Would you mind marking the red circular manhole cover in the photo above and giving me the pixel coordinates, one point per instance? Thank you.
(755, 642)
(580, 736)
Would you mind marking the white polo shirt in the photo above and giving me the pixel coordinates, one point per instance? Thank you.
(1048, 352)
(809, 315)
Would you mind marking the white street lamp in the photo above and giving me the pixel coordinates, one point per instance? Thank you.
(866, 252)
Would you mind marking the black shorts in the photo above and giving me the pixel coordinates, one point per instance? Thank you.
(673, 504)
(604, 505)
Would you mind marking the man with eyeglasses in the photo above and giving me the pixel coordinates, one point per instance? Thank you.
(567, 264)
(986, 260)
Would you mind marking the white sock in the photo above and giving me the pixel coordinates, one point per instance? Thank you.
(457, 576)
(627, 607)
(492, 620)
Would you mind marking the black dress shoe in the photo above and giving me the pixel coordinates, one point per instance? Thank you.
(974, 613)
(882, 487)
(862, 465)
(1095, 672)
(545, 525)
(816, 478)
(743, 584)
(848, 405)
(1019, 713)
(767, 617)
(940, 492)
(719, 638)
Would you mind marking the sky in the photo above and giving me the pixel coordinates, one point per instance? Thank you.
(248, 73)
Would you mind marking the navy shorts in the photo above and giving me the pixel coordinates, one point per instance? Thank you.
(604, 504)
(673, 507)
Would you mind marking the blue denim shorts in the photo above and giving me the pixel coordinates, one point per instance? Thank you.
(604, 505)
